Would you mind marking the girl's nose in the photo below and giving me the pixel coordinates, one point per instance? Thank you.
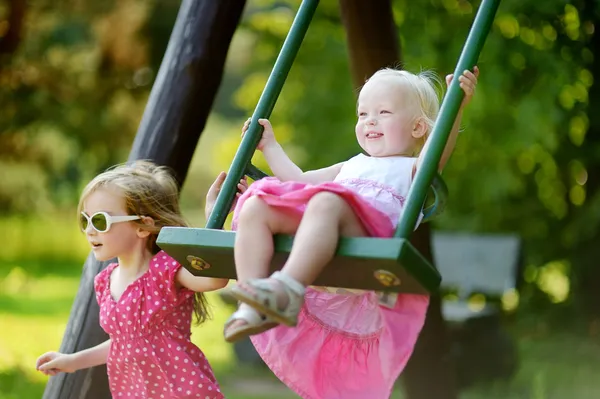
(371, 121)
(89, 229)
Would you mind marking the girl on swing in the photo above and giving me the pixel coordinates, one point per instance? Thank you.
(330, 345)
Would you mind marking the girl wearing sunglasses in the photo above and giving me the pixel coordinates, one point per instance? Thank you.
(146, 298)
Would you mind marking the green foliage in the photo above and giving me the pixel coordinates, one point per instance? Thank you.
(16, 385)
(316, 109)
(55, 238)
(523, 161)
(70, 99)
(73, 92)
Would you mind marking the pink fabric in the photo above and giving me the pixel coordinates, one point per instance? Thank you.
(345, 346)
(151, 355)
(294, 196)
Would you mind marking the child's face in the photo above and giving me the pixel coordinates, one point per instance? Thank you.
(122, 238)
(387, 124)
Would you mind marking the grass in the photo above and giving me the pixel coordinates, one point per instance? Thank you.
(552, 366)
(34, 312)
(42, 242)
(40, 267)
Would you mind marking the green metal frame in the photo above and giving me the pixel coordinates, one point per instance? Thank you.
(254, 173)
(443, 125)
(265, 106)
(440, 198)
(366, 263)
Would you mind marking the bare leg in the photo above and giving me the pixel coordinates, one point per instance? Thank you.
(327, 217)
(253, 248)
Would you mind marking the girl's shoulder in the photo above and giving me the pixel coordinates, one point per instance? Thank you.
(104, 274)
(163, 262)
(102, 280)
(162, 272)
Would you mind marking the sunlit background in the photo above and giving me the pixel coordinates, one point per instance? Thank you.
(74, 84)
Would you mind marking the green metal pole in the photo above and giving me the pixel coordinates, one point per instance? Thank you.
(263, 109)
(448, 112)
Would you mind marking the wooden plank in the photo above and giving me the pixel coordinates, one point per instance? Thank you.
(174, 118)
(187, 83)
(357, 262)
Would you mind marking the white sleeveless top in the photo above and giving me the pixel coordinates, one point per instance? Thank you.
(382, 181)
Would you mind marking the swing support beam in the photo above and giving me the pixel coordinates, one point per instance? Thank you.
(380, 264)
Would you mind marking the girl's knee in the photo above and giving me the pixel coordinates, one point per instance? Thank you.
(252, 209)
(326, 203)
(256, 211)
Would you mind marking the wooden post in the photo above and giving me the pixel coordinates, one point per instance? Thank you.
(10, 40)
(174, 118)
(373, 43)
(187, 82)
(371, 36)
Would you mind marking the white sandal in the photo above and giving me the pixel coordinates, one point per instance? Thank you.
(254, 324)
(262, 296)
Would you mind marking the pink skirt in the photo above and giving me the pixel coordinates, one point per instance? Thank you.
(344, 346)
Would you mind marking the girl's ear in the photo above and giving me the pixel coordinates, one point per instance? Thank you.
(143, 232)
(420, 128)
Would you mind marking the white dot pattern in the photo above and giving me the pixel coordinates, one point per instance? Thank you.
(151, 355)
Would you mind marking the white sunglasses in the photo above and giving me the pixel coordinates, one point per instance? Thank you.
(101, 221)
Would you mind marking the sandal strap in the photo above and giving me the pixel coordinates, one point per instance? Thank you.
(246, 313)
(264, 296)
(291, 283)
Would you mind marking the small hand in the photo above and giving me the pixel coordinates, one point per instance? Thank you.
(268, 136)
(52, 363)
(468, 82)
(215, 188)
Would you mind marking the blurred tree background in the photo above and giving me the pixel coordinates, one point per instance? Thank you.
(75, 76)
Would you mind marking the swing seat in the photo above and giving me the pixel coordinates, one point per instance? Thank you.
(367, 263)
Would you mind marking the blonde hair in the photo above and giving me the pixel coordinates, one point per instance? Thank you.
(425, 87)
(148, 190)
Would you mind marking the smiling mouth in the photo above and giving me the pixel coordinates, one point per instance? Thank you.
(95, 245)
(374, 135)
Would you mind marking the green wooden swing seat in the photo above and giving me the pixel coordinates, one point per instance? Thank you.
(380, 264)
(362, 263)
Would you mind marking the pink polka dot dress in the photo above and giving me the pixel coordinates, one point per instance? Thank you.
(151, 355)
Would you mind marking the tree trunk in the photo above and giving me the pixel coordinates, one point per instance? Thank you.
(187, 83)
(371, 35)
(9, 42)
(174, 118)
(373, 44)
